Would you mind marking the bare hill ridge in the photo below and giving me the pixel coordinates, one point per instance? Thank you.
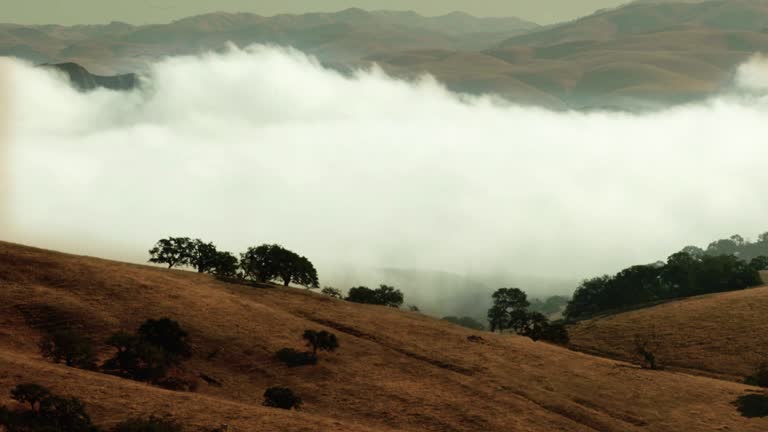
(395, 370)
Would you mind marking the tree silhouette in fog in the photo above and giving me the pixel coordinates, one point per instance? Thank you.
(384, 295)
(267, 263)
(200, 255)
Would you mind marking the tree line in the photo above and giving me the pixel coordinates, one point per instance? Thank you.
(265, 263)
(735, 245)
(726, 265)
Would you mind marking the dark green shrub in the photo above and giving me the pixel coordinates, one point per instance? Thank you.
(66, 414)
(158, 346)
(281, 397)
(168, 335)
(70, 347)
(752, 405)
(556, 333)
(33, 394)
(151, 424)
(294, 358)
(321, 340)
(760, 377)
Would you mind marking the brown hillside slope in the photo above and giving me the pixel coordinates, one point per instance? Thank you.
(395, 370)
(721, 335)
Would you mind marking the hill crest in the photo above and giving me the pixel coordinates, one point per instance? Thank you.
(395, 370)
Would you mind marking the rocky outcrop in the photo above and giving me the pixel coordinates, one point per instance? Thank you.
(86, 81)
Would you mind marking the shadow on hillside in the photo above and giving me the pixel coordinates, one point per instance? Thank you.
(752, 405)
(243, 282)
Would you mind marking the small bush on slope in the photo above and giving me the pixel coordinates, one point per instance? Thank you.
(321, 340)
(281, 397)
(294, 358)
(68, 346)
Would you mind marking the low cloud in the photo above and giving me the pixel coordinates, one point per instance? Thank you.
(366, 171)
(5, 179)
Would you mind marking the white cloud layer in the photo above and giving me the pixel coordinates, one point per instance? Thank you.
(265, 145)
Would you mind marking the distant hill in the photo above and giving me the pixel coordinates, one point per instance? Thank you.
(648, 17)
(395, 370)
(643, 55)
(342, 36)
(721, 335)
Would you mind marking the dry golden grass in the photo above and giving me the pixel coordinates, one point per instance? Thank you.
(395, 370)
(722, 335)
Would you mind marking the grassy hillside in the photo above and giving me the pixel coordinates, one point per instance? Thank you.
(649, 17)
(395, 370)
(721, 335)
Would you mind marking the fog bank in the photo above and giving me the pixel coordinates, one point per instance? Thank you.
(265, 145)
(5, 177)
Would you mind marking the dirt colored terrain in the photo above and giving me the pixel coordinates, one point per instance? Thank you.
(395, 370)
(720, 335)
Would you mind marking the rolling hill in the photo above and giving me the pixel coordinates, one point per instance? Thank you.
(643, 55)
(719, 335)
(650, 17)
(336, 37)
(395, 370)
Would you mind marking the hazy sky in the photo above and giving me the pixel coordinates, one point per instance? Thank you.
(153, 11)
(366, 171)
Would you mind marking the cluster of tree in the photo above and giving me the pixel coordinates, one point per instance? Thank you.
(510, 312)
(148, 355)
(47, 412)
(686, 273)
(195, 253)
(316, 340)
(44, 411)
(265, 263)
(734, 245)
(68, 346)
(467, 322)
(384, 295)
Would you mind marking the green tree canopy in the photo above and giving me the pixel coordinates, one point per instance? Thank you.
(173, 251)
(267, 263)
(385, 295)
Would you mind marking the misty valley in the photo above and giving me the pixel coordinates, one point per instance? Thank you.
(328, 216)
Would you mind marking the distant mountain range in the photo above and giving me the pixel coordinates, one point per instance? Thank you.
(645, 54)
